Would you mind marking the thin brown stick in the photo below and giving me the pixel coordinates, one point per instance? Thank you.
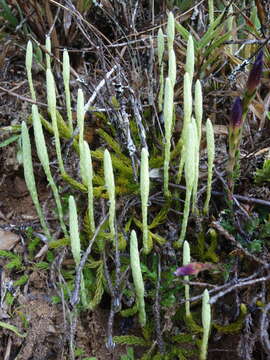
(236, 286)
(222, 289)
(23, 98)
(250, 200)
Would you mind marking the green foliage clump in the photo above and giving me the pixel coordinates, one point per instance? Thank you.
(263, 175)
(129, 355)
(21, 281)
(99, 285)
(130, 340)
(42, 265)
(235, 326)
(14, 260)
(32, 245)
(207, 251)
(130, 312)
(192, 325)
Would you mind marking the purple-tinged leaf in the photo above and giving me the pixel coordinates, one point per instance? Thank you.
(236, 114)
(255, 74)
(192, 269)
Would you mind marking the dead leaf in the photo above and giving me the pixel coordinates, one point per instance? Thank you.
(8, 240)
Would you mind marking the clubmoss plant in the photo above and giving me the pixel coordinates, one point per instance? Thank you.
(44, 159)
(198, 110)
(80, 122)
(186, 261)
(14, 261)
(263, 175)
(51, 98)
(168, 119)
(75, 242)
(168, 101)
(110, 186)
(48, 47)
(190, 58)
(188, 79)
(144, 188)
(206, 322)
(198, 107)
(137, 276)
(80, 114)
(57, 120)
(28, 65)
(172, 67)
(160, 50)
(131, 340)
(170, 31)
(230, 28)
(99, 282)
(160, 46)
(87, 178)
(190, 172)
(187, 119)
(66, 78)
(210, 138)
(12, 328)
(30, 179)
(211, 11)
